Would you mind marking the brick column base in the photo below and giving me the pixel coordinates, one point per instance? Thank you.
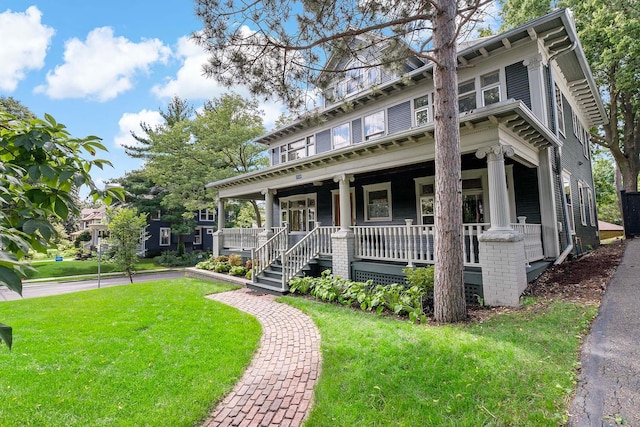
(503, 261)
(344, 249)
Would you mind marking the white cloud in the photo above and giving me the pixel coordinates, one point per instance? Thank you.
(102, 67)
(130, 122)
(190, 83)
(24, 45)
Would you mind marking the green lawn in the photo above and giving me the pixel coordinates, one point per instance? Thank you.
(148, 354)
(65, 268)
(514, 370)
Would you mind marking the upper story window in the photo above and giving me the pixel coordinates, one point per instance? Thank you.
(467, 96)
(207, 215)
(559, 110)
(358, 77)
(298, 149)
(490, 92)
(490, 88)
(374, 125)
(341, 136)
(423, 110)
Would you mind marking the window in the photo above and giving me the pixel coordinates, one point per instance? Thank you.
(426, 197)
(423, 110)
(472, 201)
(592, 207)
(299, 212)
(165, 236)
(566, 183)
(341, 136)
(559, 110)
(207, 215)
(585, 148)
(581, 200)
(467, 96)
(197, 237)
(298, 149)
(358, 77)
(490, 84)
(377, 201)
(374, 125)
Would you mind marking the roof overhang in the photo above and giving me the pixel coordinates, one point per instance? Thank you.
(555, 31)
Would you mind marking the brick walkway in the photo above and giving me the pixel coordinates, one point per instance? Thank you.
(277, 388)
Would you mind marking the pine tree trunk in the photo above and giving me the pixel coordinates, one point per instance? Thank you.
(449, 302)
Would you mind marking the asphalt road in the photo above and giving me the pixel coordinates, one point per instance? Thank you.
(43, 289)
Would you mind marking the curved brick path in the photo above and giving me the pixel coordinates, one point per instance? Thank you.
(277, 388)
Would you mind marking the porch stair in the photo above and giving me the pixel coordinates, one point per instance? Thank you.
(270, 279)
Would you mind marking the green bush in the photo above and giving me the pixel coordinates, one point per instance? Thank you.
(237, 270)
(249, 275)
(172, 259)
(221, 267)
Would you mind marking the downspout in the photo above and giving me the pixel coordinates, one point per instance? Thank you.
(565, 211)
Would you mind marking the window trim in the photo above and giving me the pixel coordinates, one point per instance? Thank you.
(165, 232)
(428, 108)
(497, 85)
(582, 203)
(592, 207)
(309, 149)
(566, 183)
(367, 189)
(559, 107)
(207, 215)
(197, 236)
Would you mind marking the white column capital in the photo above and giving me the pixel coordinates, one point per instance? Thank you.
(495, 152)
(269, 191)
(534, 62)
(343, 177)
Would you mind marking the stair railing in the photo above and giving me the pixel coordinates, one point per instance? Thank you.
(315, 243)
(263, 256)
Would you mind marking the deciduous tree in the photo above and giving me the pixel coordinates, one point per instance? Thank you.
(126, 233)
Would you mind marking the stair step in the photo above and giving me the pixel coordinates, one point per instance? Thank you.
(267, 288)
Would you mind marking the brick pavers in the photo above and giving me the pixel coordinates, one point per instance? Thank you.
(277, 388)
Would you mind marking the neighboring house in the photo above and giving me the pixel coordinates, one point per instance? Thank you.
(162, 239)
(354, 190)
(93, 220)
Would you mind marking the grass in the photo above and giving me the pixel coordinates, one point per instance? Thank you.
(82, 268)
(515, 369)
(154, 354)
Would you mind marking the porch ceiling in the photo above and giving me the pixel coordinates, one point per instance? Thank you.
(390, 151)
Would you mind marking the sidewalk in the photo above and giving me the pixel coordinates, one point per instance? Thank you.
(608, 391)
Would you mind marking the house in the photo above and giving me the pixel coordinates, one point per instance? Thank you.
(161, 237)
(353, 190)
(93, 220)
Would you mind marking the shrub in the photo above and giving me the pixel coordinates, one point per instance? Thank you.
(235, 260)
(422, 277)
(222, 258)
(172, 259)
(237, 270)
(221, 267)
(249, 275)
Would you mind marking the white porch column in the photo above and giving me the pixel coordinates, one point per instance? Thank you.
(498, 194)
(267, 233)
(502, 255)
(343, 241)
(537, 90)
(268, 209)
(221, 213)
(345, 200)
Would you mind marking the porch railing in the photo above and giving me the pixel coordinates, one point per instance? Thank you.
(415, 243)
(532, 240)
(263, 256)
(317, 242)
(242, 238)
(411, 243)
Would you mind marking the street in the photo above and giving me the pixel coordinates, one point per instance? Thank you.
(43, 289)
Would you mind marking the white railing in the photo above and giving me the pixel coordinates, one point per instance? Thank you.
(242, 238)
(532, 240)
(263, 256)
(317, 242)
(411, 243)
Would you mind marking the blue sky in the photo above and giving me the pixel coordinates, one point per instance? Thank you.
(103, 67)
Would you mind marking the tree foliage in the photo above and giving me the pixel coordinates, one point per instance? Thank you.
(290, 50)
(605, 187)
(41, 165)
(126, 231)
(609, 31)
(189, 151)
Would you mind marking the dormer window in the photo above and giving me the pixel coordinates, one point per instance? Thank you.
(358, 77)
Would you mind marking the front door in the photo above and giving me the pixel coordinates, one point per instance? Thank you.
(336, 207)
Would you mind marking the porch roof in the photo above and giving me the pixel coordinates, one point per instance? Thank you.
(556, 33)
(511, 115)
